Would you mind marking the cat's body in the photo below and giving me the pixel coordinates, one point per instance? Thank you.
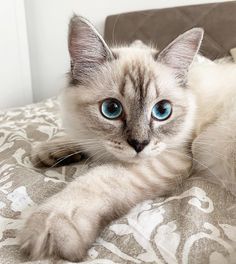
(214, 87)
(136, 111)
(214, 146)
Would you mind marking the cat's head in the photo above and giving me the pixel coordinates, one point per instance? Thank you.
(130, 102)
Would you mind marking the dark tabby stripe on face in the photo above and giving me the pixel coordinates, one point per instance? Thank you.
(122, 87)
(140, 79)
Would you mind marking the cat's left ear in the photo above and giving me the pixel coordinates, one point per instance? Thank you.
(87, 48)
(180, 53)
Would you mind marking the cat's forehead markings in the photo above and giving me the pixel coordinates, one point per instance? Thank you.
(122, 87)
(140, 78)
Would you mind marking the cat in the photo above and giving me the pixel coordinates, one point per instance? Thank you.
(133, 107)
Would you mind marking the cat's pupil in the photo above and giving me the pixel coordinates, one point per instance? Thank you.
(112, 107)
(161, 109)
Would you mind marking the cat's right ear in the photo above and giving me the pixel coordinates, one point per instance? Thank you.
(87, 48)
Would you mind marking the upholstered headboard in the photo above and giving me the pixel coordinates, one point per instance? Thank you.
(160, 26)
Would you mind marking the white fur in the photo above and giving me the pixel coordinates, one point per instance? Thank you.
(214, 148)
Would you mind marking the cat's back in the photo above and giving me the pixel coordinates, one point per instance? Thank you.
(214, 85)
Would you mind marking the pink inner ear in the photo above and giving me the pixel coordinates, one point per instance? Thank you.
(180, 53)
(87, 48)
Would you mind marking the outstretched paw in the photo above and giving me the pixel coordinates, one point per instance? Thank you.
(51, 235)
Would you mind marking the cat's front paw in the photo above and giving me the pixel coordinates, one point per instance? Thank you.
(46, 155)
(52, 235)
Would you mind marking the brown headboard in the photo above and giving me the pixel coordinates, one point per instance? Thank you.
(160, 26)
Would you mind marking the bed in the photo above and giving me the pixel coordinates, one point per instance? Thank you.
(197, 224)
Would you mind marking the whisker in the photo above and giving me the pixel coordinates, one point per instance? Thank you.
(91, 158)
(66, 157)
(197, 162)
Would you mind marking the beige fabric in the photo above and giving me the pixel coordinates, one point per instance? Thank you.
(233, 53)
(196, 225)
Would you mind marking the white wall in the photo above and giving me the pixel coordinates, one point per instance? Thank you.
(47, 30)
(15, 83)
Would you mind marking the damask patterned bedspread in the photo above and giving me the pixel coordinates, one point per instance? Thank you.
(197, 224)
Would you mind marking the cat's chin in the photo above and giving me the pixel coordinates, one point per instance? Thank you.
(124, 158)
(135, 158)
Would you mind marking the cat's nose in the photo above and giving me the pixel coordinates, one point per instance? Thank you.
(137, 145)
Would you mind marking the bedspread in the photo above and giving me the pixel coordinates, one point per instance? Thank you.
(197, 224)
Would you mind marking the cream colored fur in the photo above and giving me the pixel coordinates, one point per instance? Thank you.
(68, 223)
(214, 148)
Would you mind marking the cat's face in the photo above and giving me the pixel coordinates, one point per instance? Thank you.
(128, 103)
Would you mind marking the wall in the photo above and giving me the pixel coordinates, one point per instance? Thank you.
(15, 83)
(47, 31)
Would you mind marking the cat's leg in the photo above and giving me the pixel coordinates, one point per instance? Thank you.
(69, 222)
(56, 152)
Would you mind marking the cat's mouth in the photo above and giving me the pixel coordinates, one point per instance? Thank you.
(129, 155)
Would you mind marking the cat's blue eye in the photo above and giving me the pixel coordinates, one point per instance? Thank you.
(162, 110)
(111, 108)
